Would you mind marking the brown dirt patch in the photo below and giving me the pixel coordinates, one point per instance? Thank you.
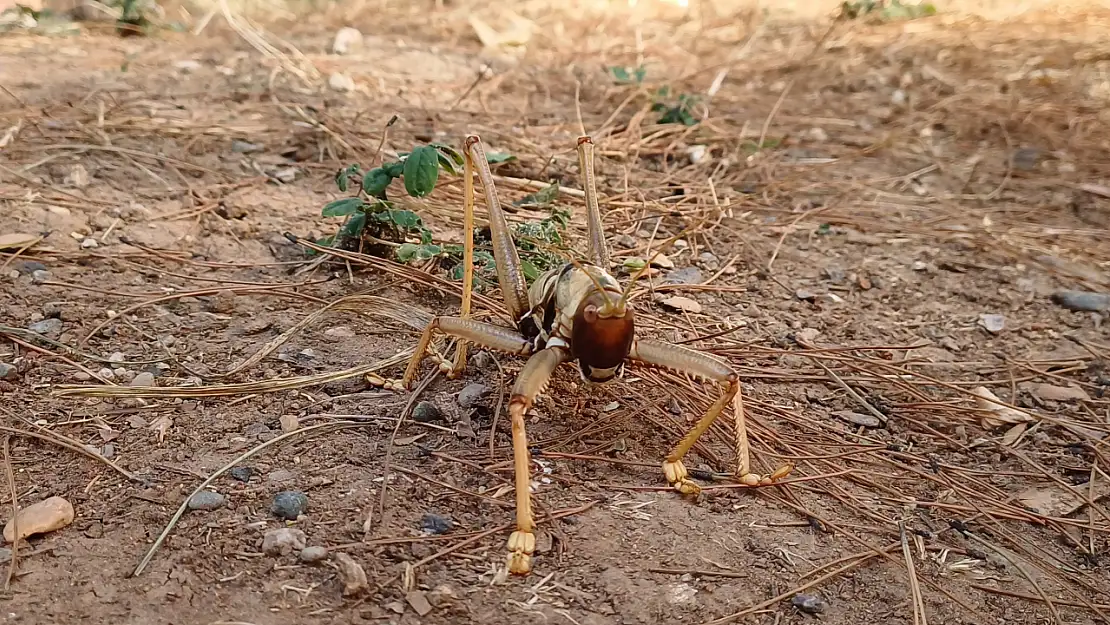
(915, 176)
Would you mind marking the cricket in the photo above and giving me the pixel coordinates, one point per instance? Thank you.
(578, 314)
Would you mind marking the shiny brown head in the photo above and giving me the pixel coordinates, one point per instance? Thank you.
(602, 336)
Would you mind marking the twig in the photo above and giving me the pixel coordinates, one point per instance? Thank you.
(15, 513)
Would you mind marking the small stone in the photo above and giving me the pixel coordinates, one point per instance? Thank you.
(829, 299)
(662, 261)
(681, 593)
(857, 418)
(340, 332)
(206, 500)
(419, 602)
(920, 265)
(242, 474)
(117, 357)
(78, 177)
(313, 554)
(95, 530)
(88, 243)
(482, 360)
(346, 40)
(709, 261)
(245, 147)
(686, 275)
(286, 175)
(51, 327)
(354, 578)
(1082, 300)
(106, 373)
(1026, 159)
(48, 515)
(835, 275)
(992, 323)
(426, 412)
(143, 379)
(473, 394)
(108, 451)
(29, 266)
(7, 371)
(805, 295)
(697, 153)
(818, 134)
(283, 541)
(255, 430)
(339, 81)
(289, 423)
(682, 303)
(39, 276)
(81, 376)
(898, 98)
(289, 504)
(626, 241)
(187, 66)
(436, 523)
(810, 604)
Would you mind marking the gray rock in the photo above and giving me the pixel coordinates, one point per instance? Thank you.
(313, 554)
(426, 412)
(145, 378)
(245, 147)
(39, 276)
(243, 474)
(289, 504)
(436, 523)
(686, 275)
(810, 604)
(206, 500)
(108, 451)
(473, 394)
(281, 475)
(29, 267)
(283, 541)
(7, 371)
(255, 430)
(47, 327)
(1082, 300)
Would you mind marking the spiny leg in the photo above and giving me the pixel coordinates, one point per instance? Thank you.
(468, 258)
(486, 335)
(691, 361)
(514, 290)
(532, 380)
(599, 250)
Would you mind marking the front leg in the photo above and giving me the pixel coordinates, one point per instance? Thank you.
(685, 360)
(487, 335)
(532, 380)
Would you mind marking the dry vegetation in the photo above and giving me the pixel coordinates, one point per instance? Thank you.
(881, 216)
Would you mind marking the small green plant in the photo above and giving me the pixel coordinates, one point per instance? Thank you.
(372, 221)
(625, 77)
(677, 112)
(892, 11)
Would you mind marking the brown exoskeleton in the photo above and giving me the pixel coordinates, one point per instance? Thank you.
(577, 312)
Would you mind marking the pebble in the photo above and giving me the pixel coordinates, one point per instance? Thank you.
(255, 430)
(106, 373)
(245, 147)
(662, 261)
(117, 357)
(836, 275)
(187, 65)
(283, 541)
(470, 396)
(47, 327)
(30, 266)
(818, 134)
(78, 177)
(346, 40)
(289, 504)
(992, 323)
(341, 82)
(858, 418)
(48, 515)
(81, 376)
(436, 523)
(206, 500)
(89, 243)
(39, 276)
(1082, 300)
(810, 604)
(289, 423)
(108, 451)
(313, 554)
(426, 412)
(243, 474)
(709, 261)
(419, 602)
(686, 275)
(805, 295)
(145, 378)
(352, 574)
(281, 475)
(286, 175)
(482, 360)
(7, 371)
(340, 332)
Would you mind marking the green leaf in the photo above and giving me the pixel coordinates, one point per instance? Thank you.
(633, 264)
(421, 171)
(343, 176)
(354, 226)
(341, 208)
(542, 197)
(400, 218)
(529, 270)
(375, 181)
(620, 73)
(394, 168)
(449, 158)
(409, 252)
(499, 157)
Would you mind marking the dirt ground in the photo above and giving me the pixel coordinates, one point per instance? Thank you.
(886, 213)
